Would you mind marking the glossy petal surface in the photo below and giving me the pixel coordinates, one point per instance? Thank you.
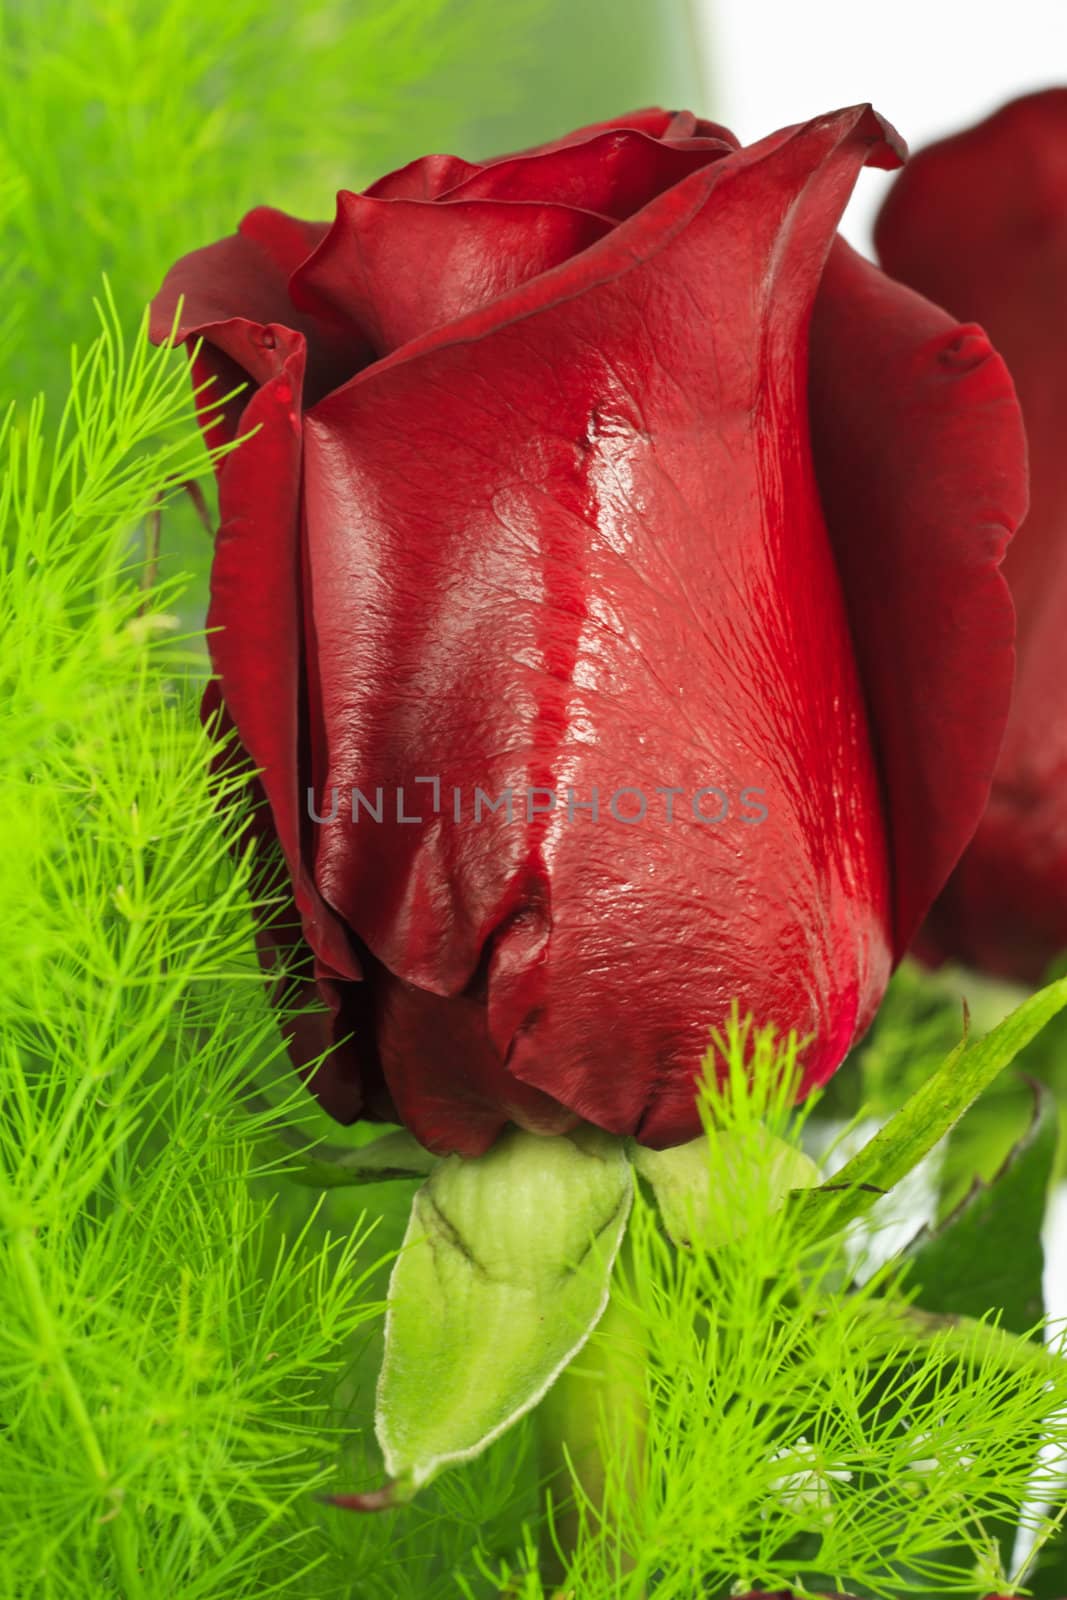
(979, 223)
(535, 508)
(371, 269)
(615, 585)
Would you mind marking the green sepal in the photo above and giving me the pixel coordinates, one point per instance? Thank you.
(693, 1183)
(395, 1155)
(503, 1274)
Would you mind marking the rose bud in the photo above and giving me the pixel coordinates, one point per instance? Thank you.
(602, 477)
(979, 223)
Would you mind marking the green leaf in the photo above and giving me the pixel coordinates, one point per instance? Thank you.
(981, 1142)
(503, 1274)
(927, 1116)
(987, 1255)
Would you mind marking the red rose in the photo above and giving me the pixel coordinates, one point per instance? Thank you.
(548, 498)
(979, 223)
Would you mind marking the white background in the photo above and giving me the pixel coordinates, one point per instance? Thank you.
(930, 66)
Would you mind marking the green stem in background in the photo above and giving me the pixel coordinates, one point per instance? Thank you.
(597, 1405)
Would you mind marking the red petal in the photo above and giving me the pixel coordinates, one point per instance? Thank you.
(613, 174)
(979, 223)
(254, 617)
(234, 297)
(575, 540)
(244, 275)
(653, 120)
(425, 179)
(446, 1077)
(684, 125)
(232, 291)
(254, 622)
(921, 461)
(350, 1074)
(371, 269)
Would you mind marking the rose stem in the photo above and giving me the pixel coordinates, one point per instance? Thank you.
(597, 1401)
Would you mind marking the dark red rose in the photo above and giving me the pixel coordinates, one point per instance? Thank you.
(601, 467)
(979, 223)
